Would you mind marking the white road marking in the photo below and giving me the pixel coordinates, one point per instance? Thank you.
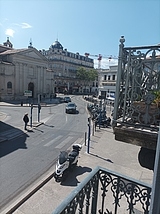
(64, 142)
(78, 141)
(52, 141)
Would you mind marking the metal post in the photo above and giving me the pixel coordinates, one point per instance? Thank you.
(121, 46)
(39, 107)
(31, 115)
(155, 197)
(93, 127)
(89, 133)
(85, 138)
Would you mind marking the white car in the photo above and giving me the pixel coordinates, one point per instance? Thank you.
(111, 99)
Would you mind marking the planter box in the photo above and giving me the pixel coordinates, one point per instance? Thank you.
(136, 136)
(146, 114)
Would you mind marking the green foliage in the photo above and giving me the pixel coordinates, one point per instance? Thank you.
(87, 75)
(157, 97)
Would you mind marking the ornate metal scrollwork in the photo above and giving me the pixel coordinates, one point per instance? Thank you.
(106, 192)
(138, 79)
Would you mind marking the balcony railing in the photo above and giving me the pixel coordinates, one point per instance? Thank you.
(107, 192)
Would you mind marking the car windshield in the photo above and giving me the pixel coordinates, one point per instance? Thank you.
(71, 105)
(67, 98)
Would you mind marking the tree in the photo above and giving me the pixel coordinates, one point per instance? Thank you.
(81, 74)
(87, 75)
(92, 75)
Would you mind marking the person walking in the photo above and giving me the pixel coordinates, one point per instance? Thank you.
(26, 120)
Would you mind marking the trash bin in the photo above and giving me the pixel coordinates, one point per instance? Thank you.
(21, 103)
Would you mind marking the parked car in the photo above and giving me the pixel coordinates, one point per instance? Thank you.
(61, 99)
(71, 108)
(67, 99)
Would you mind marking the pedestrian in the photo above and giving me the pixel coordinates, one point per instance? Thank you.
(26, 120)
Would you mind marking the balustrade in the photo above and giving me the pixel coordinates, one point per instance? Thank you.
(107, 192)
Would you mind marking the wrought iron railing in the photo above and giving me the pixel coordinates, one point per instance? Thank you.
(138, 86)
(107, 192)
(137, 104)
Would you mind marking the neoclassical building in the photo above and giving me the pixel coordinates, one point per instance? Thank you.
(43, 72)
(65, 64)
(21, 70)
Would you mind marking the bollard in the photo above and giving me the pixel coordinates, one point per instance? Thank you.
(89, 133)
(93, 128)
(85, 138)
(31, 115)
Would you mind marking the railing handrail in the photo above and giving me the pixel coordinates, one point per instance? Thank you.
(73, 194)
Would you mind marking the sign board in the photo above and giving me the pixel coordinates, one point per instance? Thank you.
(28, 93)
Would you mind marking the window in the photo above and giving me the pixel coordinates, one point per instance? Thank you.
(113, 77)
(109, 77)
(105, 77)
(9, 85)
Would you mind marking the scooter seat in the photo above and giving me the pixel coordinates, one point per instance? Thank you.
(73, 154)
(71, 159)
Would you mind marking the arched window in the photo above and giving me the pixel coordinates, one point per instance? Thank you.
(9, 85)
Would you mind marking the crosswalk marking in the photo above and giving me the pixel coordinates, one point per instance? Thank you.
(78, 141)
(59, 146)
(52, 141)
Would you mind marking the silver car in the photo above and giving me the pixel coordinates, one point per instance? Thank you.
(71, 108)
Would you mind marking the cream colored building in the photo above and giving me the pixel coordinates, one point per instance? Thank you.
(42, 72)
(22, 70)
(65, 65)
(107, 81)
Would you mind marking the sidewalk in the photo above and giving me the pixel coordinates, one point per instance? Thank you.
(105, 152)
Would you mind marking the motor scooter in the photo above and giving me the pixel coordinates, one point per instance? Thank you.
(66, 162)
(104, 122)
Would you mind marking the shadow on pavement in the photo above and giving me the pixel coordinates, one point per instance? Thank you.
(13, 139)
(97, 156)
(71, 179)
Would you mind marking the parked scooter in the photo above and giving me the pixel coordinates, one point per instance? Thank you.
(102, 121)
(66, 162)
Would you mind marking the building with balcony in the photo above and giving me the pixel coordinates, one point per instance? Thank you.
(65, 64)
(42, 72)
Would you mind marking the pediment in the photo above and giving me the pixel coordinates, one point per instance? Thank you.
(33, 53)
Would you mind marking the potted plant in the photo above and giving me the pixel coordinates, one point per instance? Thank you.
(156, 100)
(148, 105)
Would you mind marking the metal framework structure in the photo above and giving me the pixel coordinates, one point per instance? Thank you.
(107, 192)
(138, 82)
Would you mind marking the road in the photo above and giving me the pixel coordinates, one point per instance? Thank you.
(25, 159)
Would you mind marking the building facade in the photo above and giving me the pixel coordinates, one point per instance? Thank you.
(65, 64)
(43, 72)
(107, 81)
(22, 70)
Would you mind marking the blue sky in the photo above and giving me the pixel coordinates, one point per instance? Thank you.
(93, 26)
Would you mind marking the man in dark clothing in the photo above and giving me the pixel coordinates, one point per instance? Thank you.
(26, 120)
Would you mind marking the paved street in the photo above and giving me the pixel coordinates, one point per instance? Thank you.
(26, 155)
(104, 151)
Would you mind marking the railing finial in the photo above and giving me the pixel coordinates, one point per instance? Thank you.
(122, 39)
